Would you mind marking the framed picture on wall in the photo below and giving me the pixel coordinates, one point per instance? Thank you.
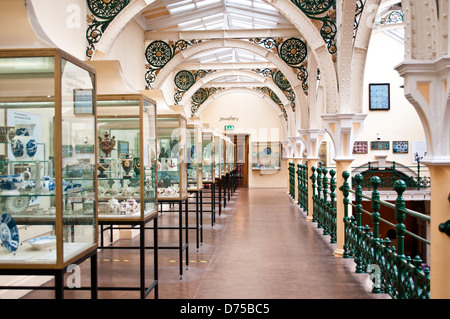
(379, 96)
(379, 145)
(400, 147)
(360, 147)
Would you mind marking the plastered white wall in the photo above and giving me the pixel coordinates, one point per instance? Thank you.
(401, 122)
(64, 21)
(250, 115)
(129, 50)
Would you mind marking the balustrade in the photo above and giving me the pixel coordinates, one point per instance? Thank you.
(414, 176)
(324, 196)
(393, 272)
(292, 180)
(302, 175)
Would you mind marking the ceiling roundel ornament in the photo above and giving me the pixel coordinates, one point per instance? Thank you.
(105, 9)
(200, 96)
(158, 53)
(314, 7)
(184, 80)
(293, 51)
(281, 80)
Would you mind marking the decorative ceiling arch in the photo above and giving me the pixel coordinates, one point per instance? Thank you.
(260, 94)
(184, 56)
(299, 19)
(186, 102)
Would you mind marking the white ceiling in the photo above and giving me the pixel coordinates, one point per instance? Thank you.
(203, 15)
(188, 15)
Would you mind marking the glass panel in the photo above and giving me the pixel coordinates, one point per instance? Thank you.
(208, 157)
(27, 187)
(78, 158)
(118, 178)
(172, 157)
(217, 155)
(223, 157)
(194, 157)
(192, 163)
(148, 160)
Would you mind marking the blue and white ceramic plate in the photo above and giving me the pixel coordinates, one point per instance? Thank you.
(43, 242)
(9, 234)
(268, 150)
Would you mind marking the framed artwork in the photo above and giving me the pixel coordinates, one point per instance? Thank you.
(400, 147)
(82, 99)
(379, 145)
(360, 147)
(379, 96)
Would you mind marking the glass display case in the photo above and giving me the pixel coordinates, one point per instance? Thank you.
(218, 156)
(194, 156)
(208, 156)
(172, 156)
(126, 170)
(47, 159)
(229, 154)
(266, 155)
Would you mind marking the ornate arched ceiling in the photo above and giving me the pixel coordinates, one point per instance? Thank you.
(259, 11)
(273, 22)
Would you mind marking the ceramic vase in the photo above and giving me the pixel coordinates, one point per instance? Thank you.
(127, 163)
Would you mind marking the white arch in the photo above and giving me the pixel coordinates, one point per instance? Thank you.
(263, 96)
(211, 77)
(305, 26)
(181, 57)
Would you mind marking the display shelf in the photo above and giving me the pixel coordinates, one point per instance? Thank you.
(266, 156)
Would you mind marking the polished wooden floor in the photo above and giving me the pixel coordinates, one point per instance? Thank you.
(261, 246)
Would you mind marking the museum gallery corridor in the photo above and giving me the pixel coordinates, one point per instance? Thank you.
(261, 247)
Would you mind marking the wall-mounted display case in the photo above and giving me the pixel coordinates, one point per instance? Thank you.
(172, 156)
(194, 156)
(47, 159)
(266, 155)
(208, 156)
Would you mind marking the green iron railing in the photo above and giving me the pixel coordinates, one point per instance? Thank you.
(324, 196)
(292, 180)
(302, 188)
(391, 270)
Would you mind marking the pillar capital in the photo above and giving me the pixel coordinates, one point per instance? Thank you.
(288, 149)
(298, 145)
(343, 129)
(312, 138)
(427, 89)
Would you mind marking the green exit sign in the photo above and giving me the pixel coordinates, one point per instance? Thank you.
(229, 127)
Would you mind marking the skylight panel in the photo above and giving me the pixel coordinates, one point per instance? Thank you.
(264, 6)
(214, 26)
(201, 4)
(182, 8)
(190, 23)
